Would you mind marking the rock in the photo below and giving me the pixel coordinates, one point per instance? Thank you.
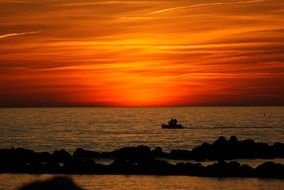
(220, 142)
(223, 169)
(181, 154)
(79, 166)
(82, 153)
(142, 160)
(16, 155)
(43, 157)
(156, 167)
(270, 170)
(122, 166)
(61, 156)
(202, 152)
(190, 169)
(43, 168)
(277, 150)
(133, 153)
(158, 152)
(57, 183)
(246, 171)
(233, 140)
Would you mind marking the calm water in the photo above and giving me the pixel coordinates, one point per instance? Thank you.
(119, 182)
(47, 129)
(109, 128)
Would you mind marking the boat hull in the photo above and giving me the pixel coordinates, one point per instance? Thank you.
(164, 126)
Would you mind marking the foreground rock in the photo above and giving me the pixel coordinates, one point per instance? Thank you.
(61, 183)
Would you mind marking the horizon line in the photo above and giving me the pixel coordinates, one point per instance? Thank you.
(177, 106)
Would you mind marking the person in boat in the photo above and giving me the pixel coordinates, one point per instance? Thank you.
(172, 122)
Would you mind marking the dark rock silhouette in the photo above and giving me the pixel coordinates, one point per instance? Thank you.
(61, 155)
(277, 150)
(80, 166)
(82, 153)
(56, 183)
(39, 168)
(181, 154)
(43, 157)
(16, 155)
(142, 167)
(202, 152)
(270, 170)
(190, 169)
(223, 149)
(158, 153)
(14, 160)
(231, 169)
(132, 153)
(122, 165)
(155, 167)
(141, 160)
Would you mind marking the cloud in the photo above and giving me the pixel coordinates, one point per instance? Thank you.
(17, 34)
(123, 50)
(202, 5)
(16, 1)
(102, 3)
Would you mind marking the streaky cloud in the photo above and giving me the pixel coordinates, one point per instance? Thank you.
(202, 5)
(17, 34)
(16, 1)
(102, 3)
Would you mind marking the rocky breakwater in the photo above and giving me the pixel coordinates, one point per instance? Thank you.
(143, 160)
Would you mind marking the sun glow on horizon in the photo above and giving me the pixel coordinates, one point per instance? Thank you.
(141, 53)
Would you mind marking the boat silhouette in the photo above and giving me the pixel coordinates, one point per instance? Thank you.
(172, 124)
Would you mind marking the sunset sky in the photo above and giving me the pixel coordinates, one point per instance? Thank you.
(141, 53)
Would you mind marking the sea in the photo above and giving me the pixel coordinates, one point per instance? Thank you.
(108, 128)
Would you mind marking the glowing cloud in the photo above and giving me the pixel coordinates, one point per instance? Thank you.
(17, 34)
(203, 5)
(141, 53)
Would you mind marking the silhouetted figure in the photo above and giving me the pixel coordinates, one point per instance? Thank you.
(174, 121)
(171, 122)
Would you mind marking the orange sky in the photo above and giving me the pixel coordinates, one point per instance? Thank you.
(141, 53)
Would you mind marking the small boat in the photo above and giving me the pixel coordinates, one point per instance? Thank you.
(177, 126)
(172, 124)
